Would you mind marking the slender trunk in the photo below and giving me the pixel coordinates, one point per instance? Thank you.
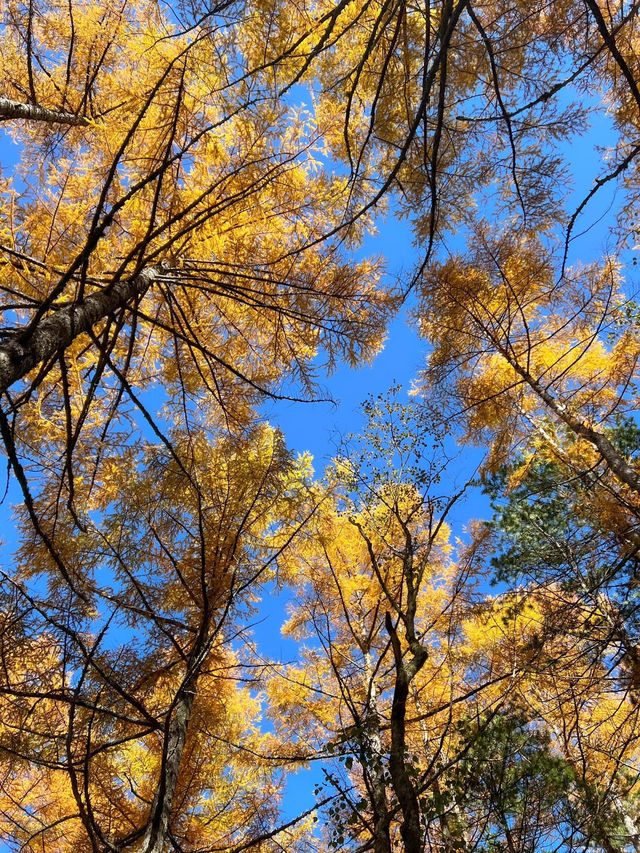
(620, 467)
(631, 828)
(175, 737)
(403, 785)
(630, 659)
(452, 825)
(32, 112)
(156, 835)
(57, 331)
(374, 767)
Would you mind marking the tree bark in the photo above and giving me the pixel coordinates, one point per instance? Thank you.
(633, 833)
(402, 783)
(620, 467)
(32, 112)
(156, 835)
(374, 766)
(57, 331)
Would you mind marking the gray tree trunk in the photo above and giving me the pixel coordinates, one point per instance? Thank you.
(375, 767)
(57, 331)
(32, 112)
(618, 464)
(155, 837)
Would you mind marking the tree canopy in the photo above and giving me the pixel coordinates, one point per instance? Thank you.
(181, 240)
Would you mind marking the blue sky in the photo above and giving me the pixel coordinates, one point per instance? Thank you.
(315, 427)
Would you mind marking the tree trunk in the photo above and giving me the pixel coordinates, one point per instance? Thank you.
(402, 783)
(374, 767)
(620, 467)
(57, 331)
(32, 112)
(631, 828)
(156, 835)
